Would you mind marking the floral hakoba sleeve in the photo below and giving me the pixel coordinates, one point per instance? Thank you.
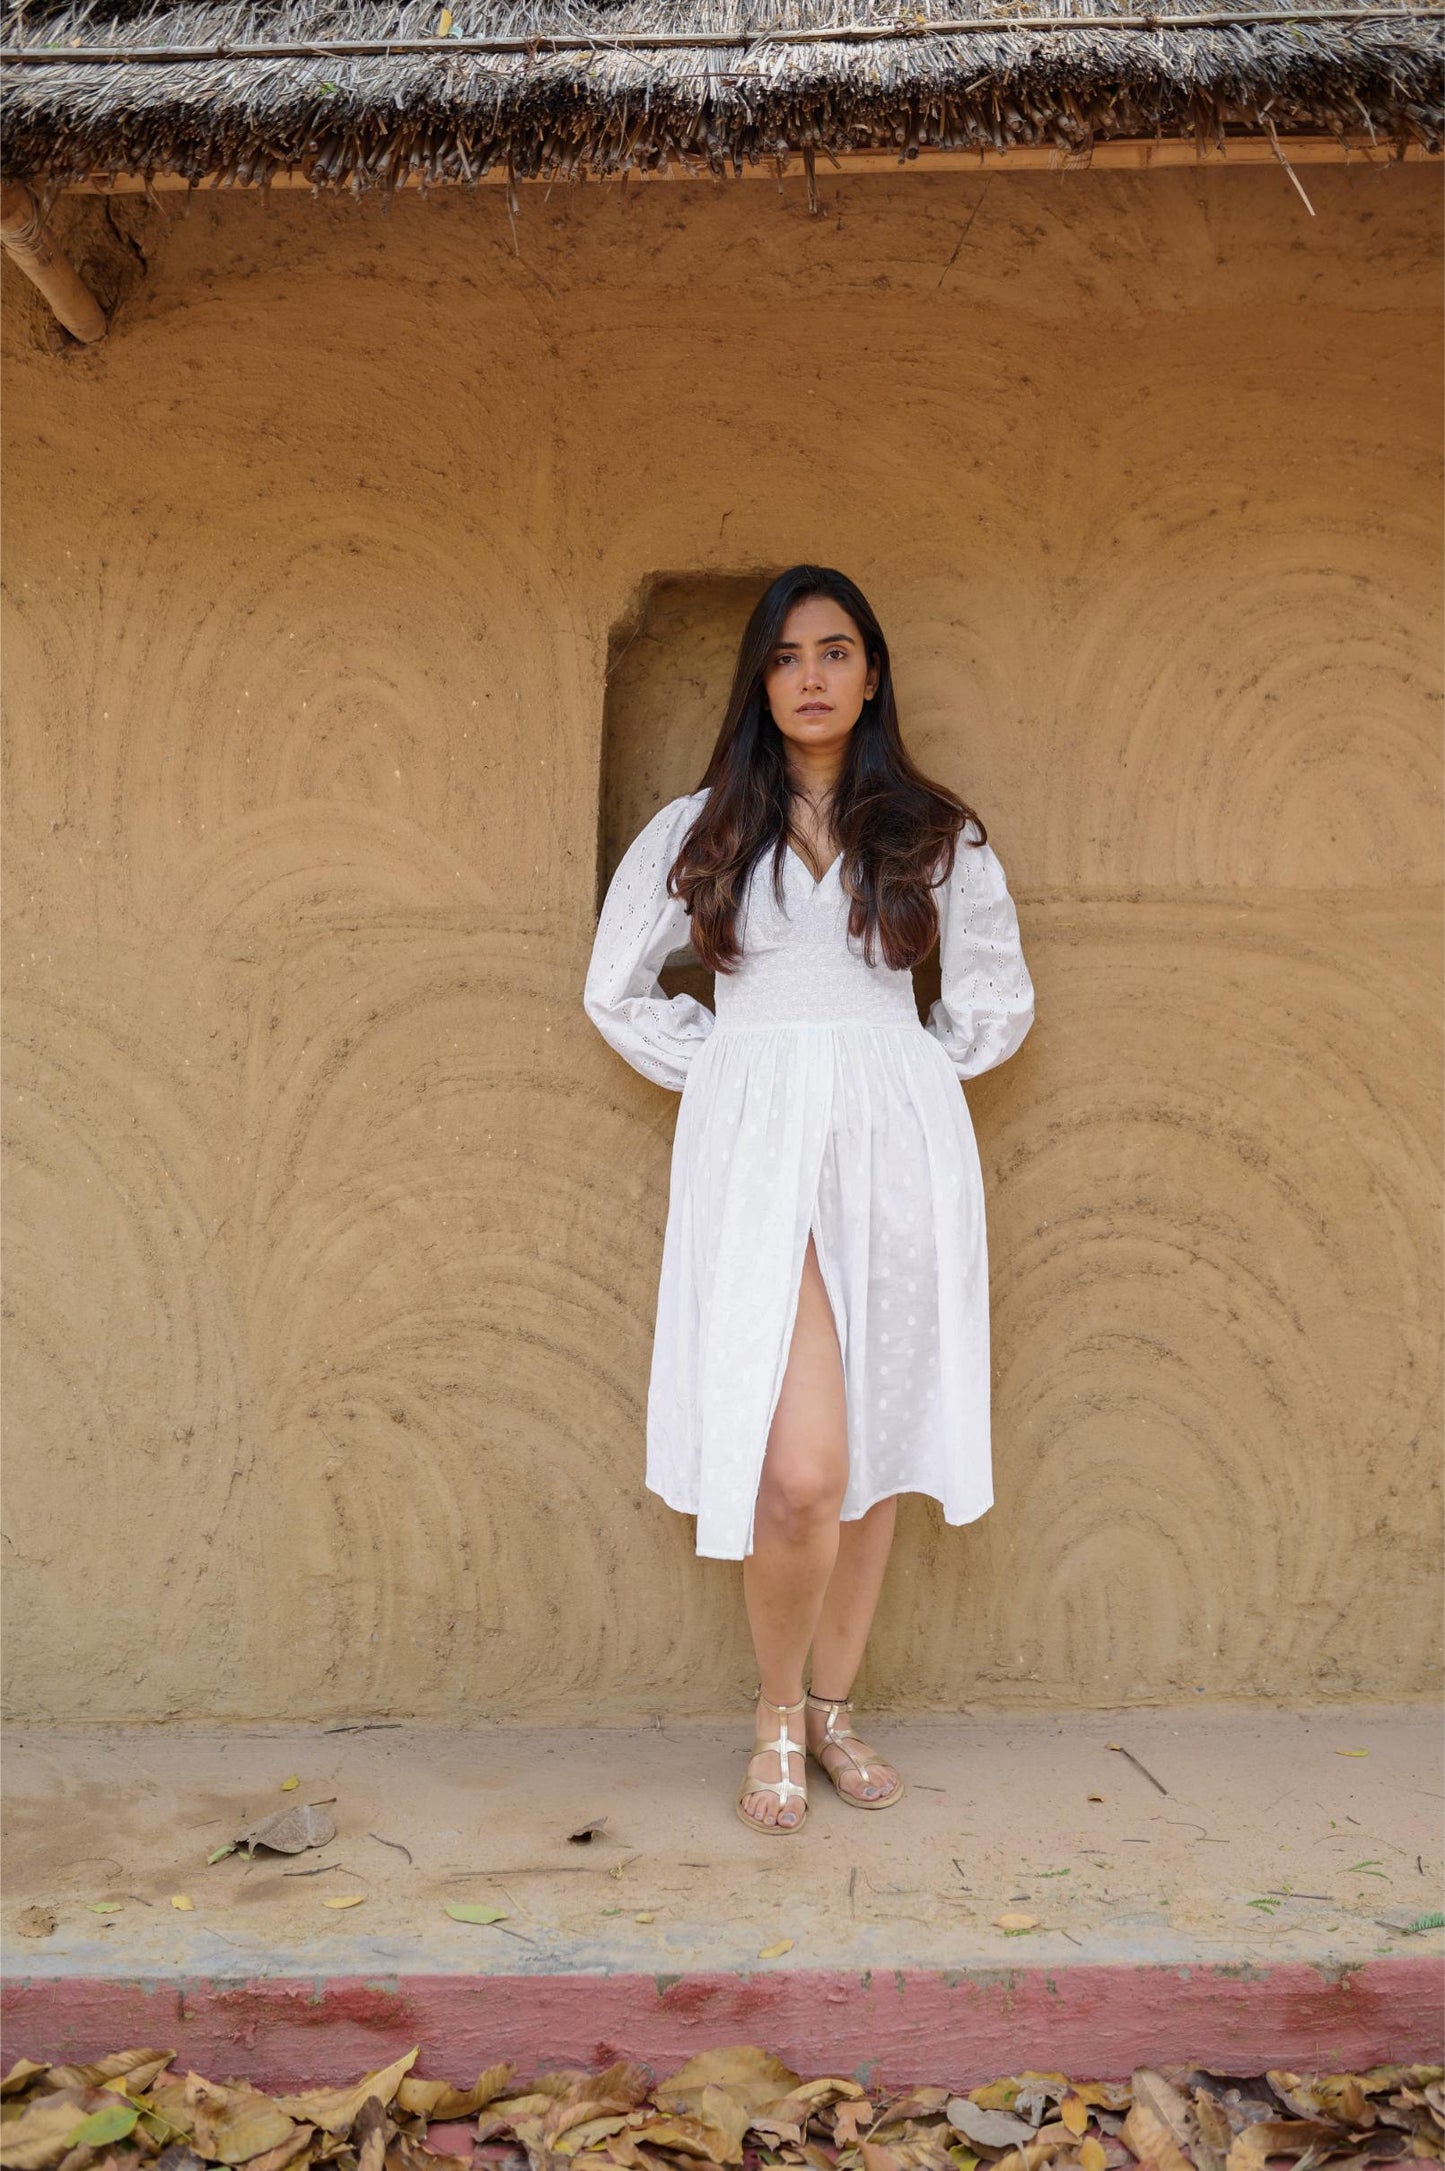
(987, 1001)
(639, 925)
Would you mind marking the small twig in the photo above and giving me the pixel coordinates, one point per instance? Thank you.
(1120, 1750)
(1289, 169)
(364, 1726)
(391, 1843)
(1273, 1892)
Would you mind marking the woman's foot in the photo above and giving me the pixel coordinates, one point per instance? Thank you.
(777, 1768)
(857, 1771)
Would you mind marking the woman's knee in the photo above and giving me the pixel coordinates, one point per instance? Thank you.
(800, 1495)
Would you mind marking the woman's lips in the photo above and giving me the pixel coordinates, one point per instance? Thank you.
(816, 708)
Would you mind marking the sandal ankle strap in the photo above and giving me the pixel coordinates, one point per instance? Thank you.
(781, 1707)
(830, 1703)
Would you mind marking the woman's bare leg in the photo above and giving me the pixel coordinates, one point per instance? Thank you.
(844, 1620)
(795, 1524)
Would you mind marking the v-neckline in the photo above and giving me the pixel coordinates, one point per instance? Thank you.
(816, 880)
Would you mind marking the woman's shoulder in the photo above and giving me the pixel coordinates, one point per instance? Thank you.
(676, 814)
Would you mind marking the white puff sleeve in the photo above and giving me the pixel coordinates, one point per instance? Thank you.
(987, 1002)
(639, 925)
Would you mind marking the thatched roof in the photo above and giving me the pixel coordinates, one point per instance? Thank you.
(364, 92)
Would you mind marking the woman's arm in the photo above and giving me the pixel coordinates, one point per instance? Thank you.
(987, 1003)
(639, 925)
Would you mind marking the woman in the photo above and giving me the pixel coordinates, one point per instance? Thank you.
(821, 1341)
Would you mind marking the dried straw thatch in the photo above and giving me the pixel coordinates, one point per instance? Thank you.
(366, 93)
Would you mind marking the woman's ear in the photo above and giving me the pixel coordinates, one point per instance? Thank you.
(870, 683)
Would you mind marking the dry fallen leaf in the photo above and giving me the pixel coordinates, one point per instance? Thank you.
(1278, 2137)
(291, 1830)
(179, 1899)
(345, 1899)
(21, 2074)
(644, 1918)
(440, 2101)
(772, 1952)
(474, 1911)
(990, 2128)
(288, 1784)
(1010, 1921)
(749, 2077)
(338, 2108)
(34, 1922)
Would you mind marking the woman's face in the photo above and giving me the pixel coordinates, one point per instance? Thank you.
(819, 676)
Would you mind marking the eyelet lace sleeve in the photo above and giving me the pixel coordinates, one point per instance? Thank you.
(639, 925)
(987, 1003)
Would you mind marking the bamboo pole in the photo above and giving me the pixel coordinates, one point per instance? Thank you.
(532, 44)
(30, 245)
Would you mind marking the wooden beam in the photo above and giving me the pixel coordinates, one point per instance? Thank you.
(1135, 155)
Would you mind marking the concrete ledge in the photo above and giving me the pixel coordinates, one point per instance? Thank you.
(887, 2029)
(1225, 1885)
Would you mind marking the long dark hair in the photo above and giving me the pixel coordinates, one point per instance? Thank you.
(898, 830)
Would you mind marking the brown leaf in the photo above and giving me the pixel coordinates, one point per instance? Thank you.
(40, 2136)
(689, 2136)
(439, 2100)
(500, 2117)
(337, 2109)
(1047, 2144)
(752, 2077)
(588, 2134)
(1323, 2095)
(291, 1830)
(133, 2070)
(290, 2151)
(809, 2097)
(1212, 2132)
(232, 2121)
(1279, 2137)
(1148, 2135)
(987, 2128)
(21, 2074)
(1161, 2097)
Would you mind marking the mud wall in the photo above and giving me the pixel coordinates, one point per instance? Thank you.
(333, 1227)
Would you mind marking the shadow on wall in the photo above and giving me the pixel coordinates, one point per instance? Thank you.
(669, 670)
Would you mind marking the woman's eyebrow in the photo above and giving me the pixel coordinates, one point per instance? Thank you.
(828, 640)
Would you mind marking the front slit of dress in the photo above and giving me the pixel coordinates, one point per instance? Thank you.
(784, 1350)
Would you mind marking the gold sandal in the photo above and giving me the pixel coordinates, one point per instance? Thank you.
(838, 1737)
(785, 1787)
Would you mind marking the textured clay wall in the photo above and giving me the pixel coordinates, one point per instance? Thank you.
(333, 1227)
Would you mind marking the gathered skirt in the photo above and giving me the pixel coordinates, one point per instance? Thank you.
(858, 1131)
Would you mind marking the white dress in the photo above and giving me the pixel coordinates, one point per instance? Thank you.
(814, 1097)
